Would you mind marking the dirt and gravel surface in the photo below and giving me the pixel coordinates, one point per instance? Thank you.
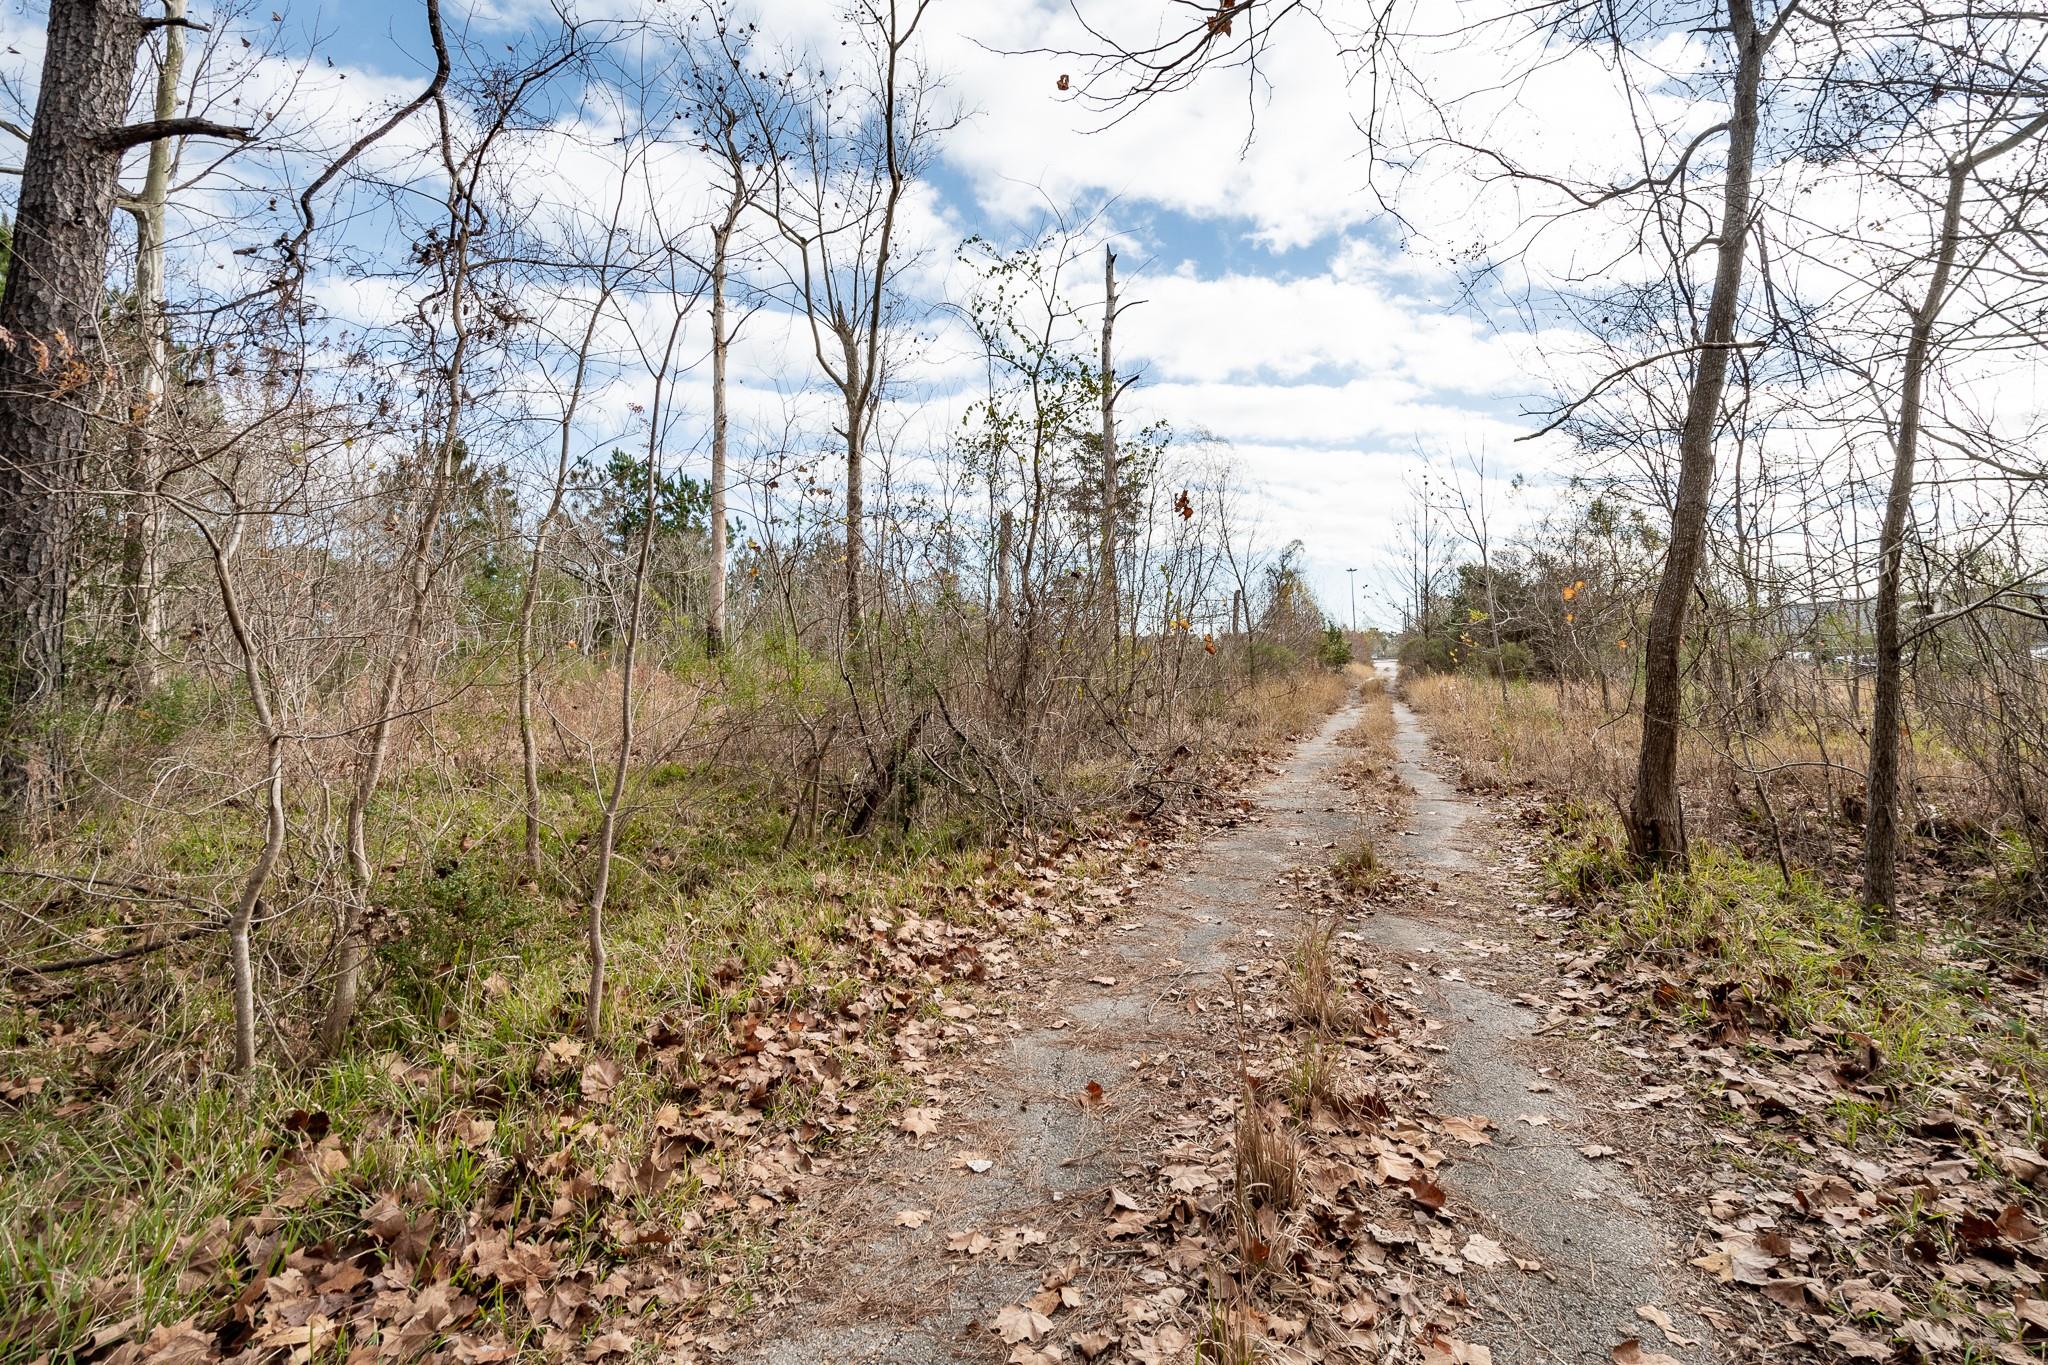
(1020, 1145)
(995, 1192)
(1603, 1250)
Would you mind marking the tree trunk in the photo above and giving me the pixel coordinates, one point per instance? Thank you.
(49, 320)
(1881, 813)
(242, 963)
(854, 511)
(615, 795)
(1656, 830)
(714, 622)
(143, 623)
(1112, 611)
(1006, 533)
(1888, 716)
(421, 572)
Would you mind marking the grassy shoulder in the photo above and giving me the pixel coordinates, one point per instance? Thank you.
(471, 1177)
(1877, 1142)
(1748, 937)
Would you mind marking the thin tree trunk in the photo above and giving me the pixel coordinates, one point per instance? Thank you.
(714, 624)
(1112, 612)
(529, 596)
(1655, 821)
(854, 509)
(353, 948)
(274, 827)
(608, 822)
(1006, 533)
(1888, 714)
(139, 529)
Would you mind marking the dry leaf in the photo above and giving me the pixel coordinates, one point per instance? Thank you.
(1019, 1323)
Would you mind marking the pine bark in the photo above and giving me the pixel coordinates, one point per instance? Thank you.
(49, 365)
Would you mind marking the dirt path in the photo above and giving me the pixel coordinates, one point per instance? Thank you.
(1603, 1251)
(912, 1256)
(871, 1290)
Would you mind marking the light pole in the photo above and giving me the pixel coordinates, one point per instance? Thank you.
(1354, 600)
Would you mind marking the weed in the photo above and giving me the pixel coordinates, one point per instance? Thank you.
(1797, 957)
(1312, 1081)
(1227, 1337)
(1359, 868)
(1268, 1160)
(1315, 990)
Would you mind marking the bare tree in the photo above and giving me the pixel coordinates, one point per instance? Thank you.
(841, 173)
(139, 531)
(732, 109)
(1655, 818)
(1948, 262)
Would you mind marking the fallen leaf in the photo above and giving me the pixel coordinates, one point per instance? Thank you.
(1656, 1316)
(1484, 1252)
(1018, 1323)
(1470, 1131)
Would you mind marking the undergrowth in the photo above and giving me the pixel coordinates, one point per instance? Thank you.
(1793, 956)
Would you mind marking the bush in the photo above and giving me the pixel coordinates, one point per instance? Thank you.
(1513, 659)
(1335, 649)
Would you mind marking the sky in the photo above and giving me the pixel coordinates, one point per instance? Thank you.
(1278, 307)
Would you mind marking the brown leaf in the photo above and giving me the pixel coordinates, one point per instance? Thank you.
(1651, 1313)
(1019, 1323)
(1484, 1252)
(1470, 1131)
(1857, 1346)
(600, 1078)
(1631, 1352)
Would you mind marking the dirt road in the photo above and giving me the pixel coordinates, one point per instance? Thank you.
(1026, 1155)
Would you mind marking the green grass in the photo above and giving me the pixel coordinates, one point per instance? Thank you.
(132, 1161)
(1797, 956)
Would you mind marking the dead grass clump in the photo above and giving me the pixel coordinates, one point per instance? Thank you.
(1268, 1160)
(1313, 1081)
(1227, 1338)
(1359, 868)
(1315, 988)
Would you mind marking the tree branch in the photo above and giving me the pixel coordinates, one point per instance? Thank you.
(156, 130)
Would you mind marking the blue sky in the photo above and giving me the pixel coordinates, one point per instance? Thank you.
(1282, 312)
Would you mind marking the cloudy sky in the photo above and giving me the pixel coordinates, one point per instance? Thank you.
(1282, 309)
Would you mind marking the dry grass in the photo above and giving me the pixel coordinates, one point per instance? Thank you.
(1273, 711)
(1315, 990)
(1313, 1081)
(1373, 736)
(1268, 1160)
(1227, 1338)
(1798, 773)
(1359, 868)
